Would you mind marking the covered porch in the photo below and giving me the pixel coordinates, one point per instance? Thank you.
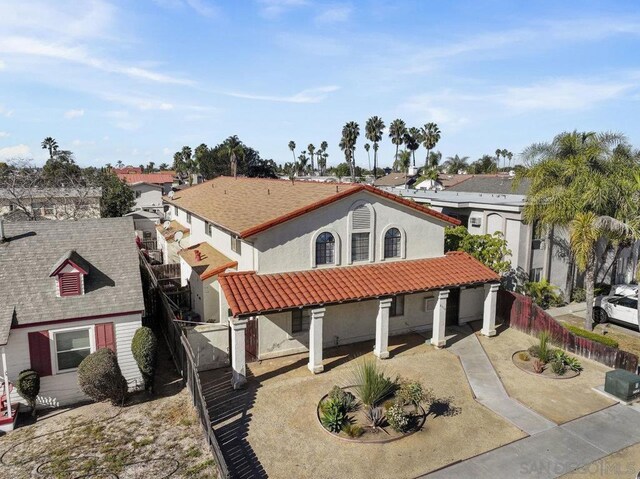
(253, 297)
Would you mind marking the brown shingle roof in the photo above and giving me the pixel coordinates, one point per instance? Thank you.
(251, 293)
(174, 227)
(211, 262)
(247, 206)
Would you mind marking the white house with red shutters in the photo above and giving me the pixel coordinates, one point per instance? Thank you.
(69, 288)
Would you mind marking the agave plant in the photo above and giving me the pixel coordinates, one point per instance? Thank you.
(375, 416)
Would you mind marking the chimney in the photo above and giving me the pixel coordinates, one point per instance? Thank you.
(198, 255)
(3, 238)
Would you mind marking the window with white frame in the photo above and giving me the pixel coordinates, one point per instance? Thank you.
(325, 249)
(392, 240)
(189, 218)
(300, 320)
(236, 244)
(361, 231)
(207, 228)
(535, 275)
(359, 246)
(71, 347)
(175, 211)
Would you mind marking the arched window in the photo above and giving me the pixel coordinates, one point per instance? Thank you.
(325, 249)
(392, 240)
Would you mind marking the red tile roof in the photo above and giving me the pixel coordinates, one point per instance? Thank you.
(250, 293)
(153, 178)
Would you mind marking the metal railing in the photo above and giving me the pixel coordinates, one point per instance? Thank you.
(183, 357)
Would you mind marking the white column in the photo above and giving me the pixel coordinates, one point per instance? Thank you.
(382, 329)
(315, 340)
(490, 302)
(440, 319)
(238, 361)
(7, 389)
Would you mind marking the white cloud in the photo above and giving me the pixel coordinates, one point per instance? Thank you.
(201, 7)
(71, 114)
(4, 134)
(139, 102)
(5, 111)
(312, 95)
(275, 8)
(17, 151)
(334, 14)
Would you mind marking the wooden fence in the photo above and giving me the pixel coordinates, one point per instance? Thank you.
(158, 305)
(522, 314)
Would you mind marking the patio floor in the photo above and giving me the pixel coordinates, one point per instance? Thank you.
(270, 429)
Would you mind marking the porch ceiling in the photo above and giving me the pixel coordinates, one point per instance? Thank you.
(250, 293)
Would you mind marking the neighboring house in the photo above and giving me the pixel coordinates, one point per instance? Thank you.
(149, 188)
(127, 170)
(299, 266)
(397, 180)
(69, 288)
(50, 203)
(443, 182)
(145, 223)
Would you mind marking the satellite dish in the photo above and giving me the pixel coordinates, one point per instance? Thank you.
(166, 225)
(178, 236)
(171, 194)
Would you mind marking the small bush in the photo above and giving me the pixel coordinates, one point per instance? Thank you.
(579, 295)
(353, 430)
(543, 293)
(558, 367)
(412, 392)
(100, 378)
(371, 384)
(28, 386)
(333, 416)
(397, 418)
(544, 351)
(144, 347)
(538, 366)
(573, 364)
(345, 398)
(523, 356)
(583, 333)
(534, 351)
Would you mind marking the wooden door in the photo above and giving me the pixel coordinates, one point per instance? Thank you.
(251, 340)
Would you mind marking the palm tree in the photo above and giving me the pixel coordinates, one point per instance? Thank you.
(350, 134)
(50, 144)
(402, 162)
(374, 129)
(302, 163)
(397, 129)
(367, 147)
(163, 167)
(311, 149)
(430, 138)
(498, 155)
(292, 147)
(412, 139)
(455, 164)
(509, 156)
(578, 183)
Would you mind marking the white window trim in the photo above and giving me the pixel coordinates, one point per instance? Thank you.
(403, 242)
(336, 251)
(54, 350)
(370, 230)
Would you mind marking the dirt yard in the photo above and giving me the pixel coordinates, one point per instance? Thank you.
(284, 438)
(559, 400)
(158, 438)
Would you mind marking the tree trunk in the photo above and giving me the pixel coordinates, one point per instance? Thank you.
(375, 163)
(426, 162)
(589, 287)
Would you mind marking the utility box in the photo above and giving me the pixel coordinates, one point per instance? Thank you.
(622, 384)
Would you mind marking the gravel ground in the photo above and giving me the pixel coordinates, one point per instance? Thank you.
(559, 400)
(288, 441)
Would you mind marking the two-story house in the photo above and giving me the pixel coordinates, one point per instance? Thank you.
(300, 266)
(44, 203)
(149, 188)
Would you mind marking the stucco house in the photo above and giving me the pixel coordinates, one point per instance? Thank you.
(68, 289)
(149, 188)
(38, 203)
(299, 266)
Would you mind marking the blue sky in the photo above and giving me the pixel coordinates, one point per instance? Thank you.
(136, 80)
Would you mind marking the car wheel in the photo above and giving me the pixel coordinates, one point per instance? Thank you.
(600, 315)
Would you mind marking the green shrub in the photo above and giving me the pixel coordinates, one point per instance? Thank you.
(375, 416)
(592, 336)
(558, 366)
(579, 295)
(100, 378)
(353, 430)
(543, 293)
(397, 418)
(28, 386)
(534, 351)
(333, 415)
(345, 398)
(545, 353)
(371, 384)
(412, 392)
(144, 347)
(573, 364)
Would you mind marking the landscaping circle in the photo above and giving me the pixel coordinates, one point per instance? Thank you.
(547, 371)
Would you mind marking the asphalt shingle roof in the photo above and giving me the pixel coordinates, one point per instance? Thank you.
(499, 184)
(106, 245)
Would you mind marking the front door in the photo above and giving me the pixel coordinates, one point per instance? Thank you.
(453, 307)
(251, 340)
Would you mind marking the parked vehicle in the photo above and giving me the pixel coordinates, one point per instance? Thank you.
(619, 309)
(624, 290)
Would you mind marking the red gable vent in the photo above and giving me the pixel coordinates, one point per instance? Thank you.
(69, 284)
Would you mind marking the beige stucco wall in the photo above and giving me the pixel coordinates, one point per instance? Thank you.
(150, 196)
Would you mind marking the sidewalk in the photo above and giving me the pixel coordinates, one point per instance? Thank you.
(577, 309)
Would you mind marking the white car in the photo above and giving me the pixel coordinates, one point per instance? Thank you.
(618, 309)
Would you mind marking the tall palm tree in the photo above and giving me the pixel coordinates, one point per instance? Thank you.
(50, 144)
(412, 139)
(367, 147)
(397, 129)
(430, 138)
(323, 155)
(374, 130)
(402, 162)
(292, 147)
(311, 149)
(498, 155)
(576, 183)
(302, 163)
(350, 134)
(455, 164)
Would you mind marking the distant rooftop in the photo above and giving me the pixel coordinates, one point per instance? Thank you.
(62, 192)
(461, 199)
(500, 183)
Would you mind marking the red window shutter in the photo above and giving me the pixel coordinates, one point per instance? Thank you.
(105, 336)
(69, 284)
(40, 352)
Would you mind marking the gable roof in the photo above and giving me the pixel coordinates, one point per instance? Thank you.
(107, 246)
(153, 178)
(72, 257)
(250, 293)
(248, 206)
(395, 179)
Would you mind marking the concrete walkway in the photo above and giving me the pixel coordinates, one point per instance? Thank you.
(554, 452)
(577, 309)
(490, 392)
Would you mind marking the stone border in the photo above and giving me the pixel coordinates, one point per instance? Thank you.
(419, 426)
(570, 374)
